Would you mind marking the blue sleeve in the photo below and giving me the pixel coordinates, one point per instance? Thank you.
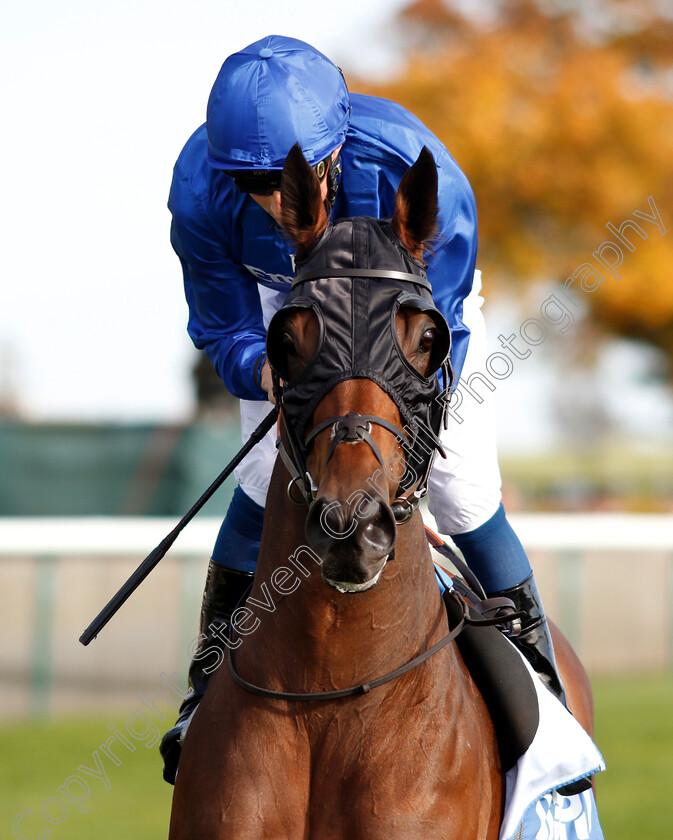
(384, 139)
(452, 256)
(225, 313)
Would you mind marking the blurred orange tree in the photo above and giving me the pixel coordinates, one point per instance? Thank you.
(563, 122)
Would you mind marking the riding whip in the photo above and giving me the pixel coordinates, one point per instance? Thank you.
(157, 553)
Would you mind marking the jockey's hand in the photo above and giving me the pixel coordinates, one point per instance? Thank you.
(266, 382)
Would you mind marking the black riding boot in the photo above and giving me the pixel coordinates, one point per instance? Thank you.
(225, 588)
(534, 641)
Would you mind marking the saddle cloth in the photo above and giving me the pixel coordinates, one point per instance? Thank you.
(542, 746)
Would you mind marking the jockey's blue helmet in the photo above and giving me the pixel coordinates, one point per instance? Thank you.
(271, 95)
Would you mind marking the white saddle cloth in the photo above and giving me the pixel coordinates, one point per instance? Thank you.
(561, 753)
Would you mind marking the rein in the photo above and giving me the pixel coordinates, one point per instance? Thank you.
(365, 688)
(366, 301)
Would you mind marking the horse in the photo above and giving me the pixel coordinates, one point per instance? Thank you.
(345, 601)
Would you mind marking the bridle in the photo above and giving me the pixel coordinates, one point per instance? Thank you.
(365, 290)
(334, 283)
(352, 427)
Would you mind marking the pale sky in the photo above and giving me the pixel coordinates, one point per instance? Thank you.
(97, 100)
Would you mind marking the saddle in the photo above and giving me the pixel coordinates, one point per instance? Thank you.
(493, 662)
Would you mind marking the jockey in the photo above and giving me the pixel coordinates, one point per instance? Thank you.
(238, 267)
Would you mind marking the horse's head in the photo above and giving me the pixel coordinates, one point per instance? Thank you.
(355, 350)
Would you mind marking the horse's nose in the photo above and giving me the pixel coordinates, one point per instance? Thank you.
(367, 528)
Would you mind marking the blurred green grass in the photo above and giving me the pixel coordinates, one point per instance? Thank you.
(39, 756)
(634, 730)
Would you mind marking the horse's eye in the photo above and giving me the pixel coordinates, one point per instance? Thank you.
(288, 344)
(427, 340)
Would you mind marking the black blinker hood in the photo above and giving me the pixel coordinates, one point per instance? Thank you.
(355, 279)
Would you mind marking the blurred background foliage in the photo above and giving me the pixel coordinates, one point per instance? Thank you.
(561, 114)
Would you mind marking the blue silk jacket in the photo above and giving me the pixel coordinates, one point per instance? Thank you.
(227, 244)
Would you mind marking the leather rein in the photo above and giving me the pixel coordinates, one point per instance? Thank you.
(355, 428)
(365, 688)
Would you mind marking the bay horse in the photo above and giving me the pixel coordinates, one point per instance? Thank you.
(416, 756)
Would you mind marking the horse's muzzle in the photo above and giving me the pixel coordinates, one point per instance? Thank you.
(353, 540)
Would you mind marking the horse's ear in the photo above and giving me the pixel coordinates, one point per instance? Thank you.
(416, 206)
(303, 213)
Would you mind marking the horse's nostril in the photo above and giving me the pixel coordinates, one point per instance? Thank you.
(330, 518)
(377, 533)
(337, 521)
(325, 525)
(370, 530)
(332, 526)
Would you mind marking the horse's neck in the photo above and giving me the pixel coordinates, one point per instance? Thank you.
(314, 637)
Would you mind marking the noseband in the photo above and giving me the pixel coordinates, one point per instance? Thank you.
(349, 428)
(352, 428)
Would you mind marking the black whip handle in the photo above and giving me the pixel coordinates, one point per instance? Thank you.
(157, 553)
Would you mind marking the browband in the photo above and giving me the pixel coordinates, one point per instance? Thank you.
(375, 273)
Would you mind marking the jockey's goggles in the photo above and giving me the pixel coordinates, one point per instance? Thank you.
(267, 181)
